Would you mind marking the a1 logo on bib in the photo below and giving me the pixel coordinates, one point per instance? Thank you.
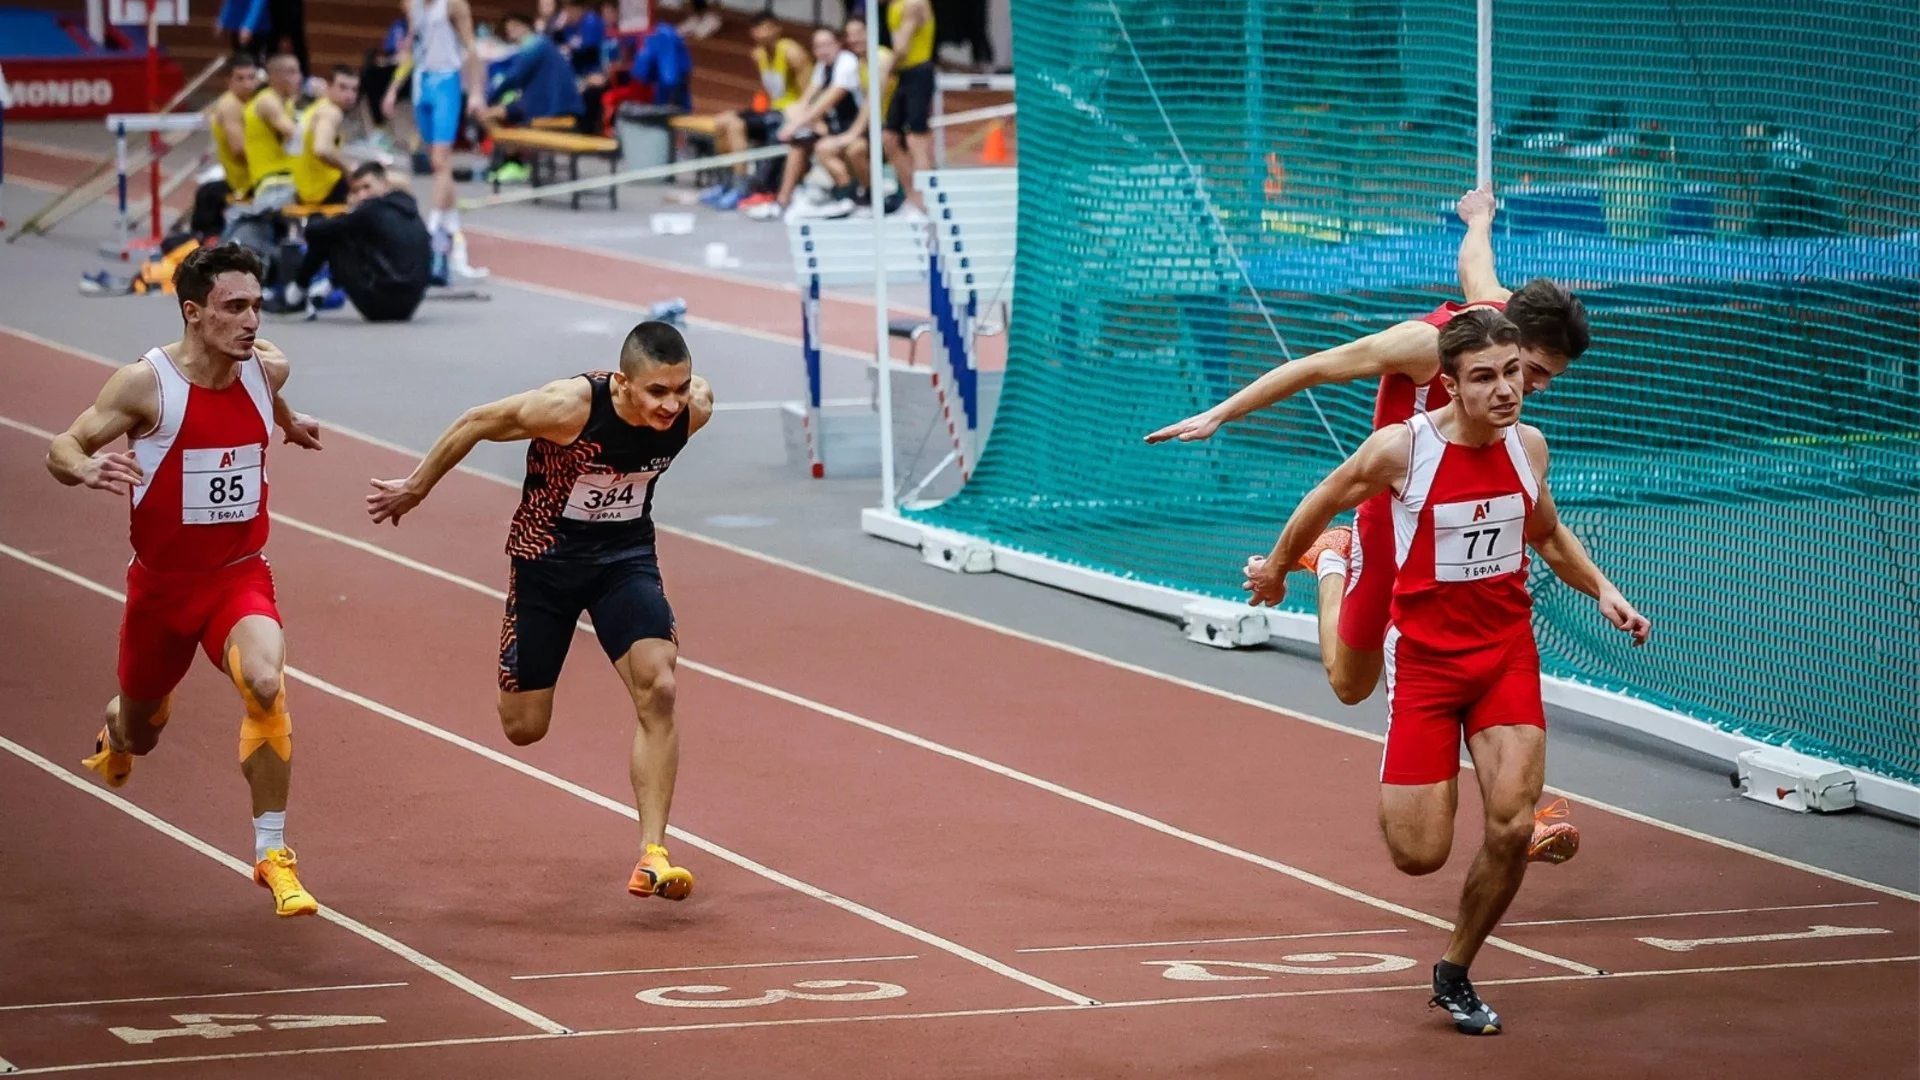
(218, 486)
(608, 496)
(1479, 539)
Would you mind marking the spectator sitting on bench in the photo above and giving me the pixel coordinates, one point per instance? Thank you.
(845, 156)
(661, 74)
(268, 134)
(534, 81)
(784, 68)
(319, 172)
(379, 253)
(826, 108)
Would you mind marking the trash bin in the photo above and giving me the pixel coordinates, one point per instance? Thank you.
(645, 134)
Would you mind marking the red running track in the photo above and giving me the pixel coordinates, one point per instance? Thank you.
(852, 791)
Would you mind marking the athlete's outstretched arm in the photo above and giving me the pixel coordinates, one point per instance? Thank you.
(1380, 463)
(556, 411)
(300, 429)
(1567, 557)
(700, 401)
(1408, 348)
(1478, 279)
(128, 403)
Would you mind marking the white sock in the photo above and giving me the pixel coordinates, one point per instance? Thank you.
(1331, 562)
(269, 831)
(434, 217)
(451, 219)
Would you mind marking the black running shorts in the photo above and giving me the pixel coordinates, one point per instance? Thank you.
(625, 597)
(912, 105)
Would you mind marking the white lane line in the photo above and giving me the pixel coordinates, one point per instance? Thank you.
(588, 795)
(717, 967)
(955, 1014)
(201, 997)
(1207, 941)
(1071, 650)
(1690, 914)
(406, 952)
(1137, 818)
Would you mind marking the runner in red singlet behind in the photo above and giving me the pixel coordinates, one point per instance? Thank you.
(197, 415)
(1467, 491)
(582, 541)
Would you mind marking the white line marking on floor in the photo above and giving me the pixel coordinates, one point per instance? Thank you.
(201, 997)
(406, 952)
(1208, 941)
(955, 1014)
(587, 794)
(716, 967)
(1690, 914)
(1071, 650)
(1137, 818)
(1809, 934)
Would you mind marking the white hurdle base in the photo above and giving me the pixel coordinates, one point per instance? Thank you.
(1228, 622)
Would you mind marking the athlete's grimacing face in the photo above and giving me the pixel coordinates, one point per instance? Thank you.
(227, 322)
(659, 393)
(1490, 384)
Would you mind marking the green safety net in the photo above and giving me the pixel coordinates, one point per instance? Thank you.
(1211, 188)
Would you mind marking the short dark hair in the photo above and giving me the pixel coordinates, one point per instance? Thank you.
(520, 17)
(343, 69)
(1550, 318)
(193, 279)
(766, 16)
(1471, 331)
(652, 342)
(369, 168)
(241, 60)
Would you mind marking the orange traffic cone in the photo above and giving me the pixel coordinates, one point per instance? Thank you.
(994, 150)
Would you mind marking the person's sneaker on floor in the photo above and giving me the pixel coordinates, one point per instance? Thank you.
(655, 876)
(277, 873)
(1338, 540)
(1454, 992)
(731, 199)
(457, 266)
(1554, 841)
(892, 203)
(748, 202)
(771, 210)
(835, 208)
(711, 196)
(511, 172)
(114, 766)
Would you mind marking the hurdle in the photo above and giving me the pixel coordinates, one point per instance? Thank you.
(153, 125)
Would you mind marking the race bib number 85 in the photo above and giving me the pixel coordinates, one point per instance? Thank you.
(220, 486)
(608, 496)
(1476, 540)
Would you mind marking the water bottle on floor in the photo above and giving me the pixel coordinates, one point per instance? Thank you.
(672, 311)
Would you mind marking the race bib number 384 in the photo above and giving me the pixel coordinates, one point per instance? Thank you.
(1481, 539)
(608, 496)
(223, 485)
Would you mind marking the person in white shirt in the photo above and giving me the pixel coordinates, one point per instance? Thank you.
(827, 107)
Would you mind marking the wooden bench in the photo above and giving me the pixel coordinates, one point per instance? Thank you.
(554, 123)
(544, 147)
(307, 210)
(697, 132)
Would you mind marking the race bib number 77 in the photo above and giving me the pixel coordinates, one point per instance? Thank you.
(222, 485)
(1477, 540)
(608, 496)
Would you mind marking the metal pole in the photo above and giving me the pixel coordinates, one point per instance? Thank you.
(1483, 126)
(153, 102)
(120, 159)
(876, 165)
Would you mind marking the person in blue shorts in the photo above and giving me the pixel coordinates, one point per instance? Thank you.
(447, 86)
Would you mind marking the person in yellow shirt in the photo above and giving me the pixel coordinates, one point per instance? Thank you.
(908, 138)
(269, 129)
(784, 68)
(845, 156)
(319, 172)
(227, 118)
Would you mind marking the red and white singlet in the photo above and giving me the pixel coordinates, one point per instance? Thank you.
(203, 502)
(1460, 526)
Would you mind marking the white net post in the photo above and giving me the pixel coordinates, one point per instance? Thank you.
(882, 349)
